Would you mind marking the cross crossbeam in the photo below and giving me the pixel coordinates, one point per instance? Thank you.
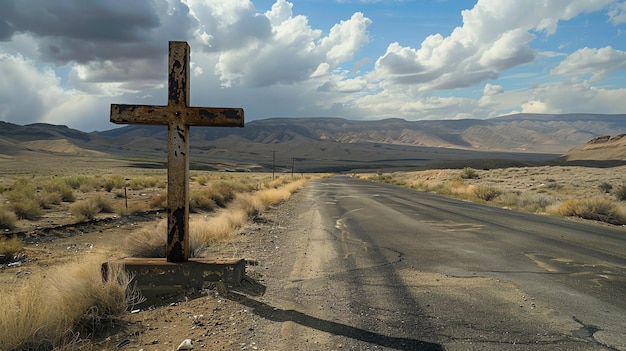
(178, 116)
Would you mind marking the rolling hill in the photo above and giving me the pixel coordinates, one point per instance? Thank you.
(335, 144)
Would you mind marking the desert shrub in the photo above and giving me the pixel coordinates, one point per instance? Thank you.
(114, 182)
(381, 177)
(146, 182)
(48, 311)
(104, 203)
(75, 182)
(599, 209)
(469, 173)
(8, 218)
(60, 187)
(486, 193)
(27, 208)
(89, 208)
(620, 191)
(159, 201)
(605, 187)
(202, 201)
(552, 184)
(202, 180)
(534, 202)
(9, 247)
(48, 199)
(133, 207)
(84, 210)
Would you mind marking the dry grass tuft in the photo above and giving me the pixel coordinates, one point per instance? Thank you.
(8, 218)
(89, 208)
(486, 193)
(53, 310)
(599, 208)
(205, 232)
(9, 247)
(148, 242)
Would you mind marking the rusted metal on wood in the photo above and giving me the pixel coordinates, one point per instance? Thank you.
(191, 116)
(178, 116)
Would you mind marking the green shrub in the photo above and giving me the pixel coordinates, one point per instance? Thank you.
(469, 173)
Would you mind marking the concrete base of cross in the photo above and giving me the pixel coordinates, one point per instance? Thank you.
(161, 282)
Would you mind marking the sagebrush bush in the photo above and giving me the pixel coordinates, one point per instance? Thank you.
(605, 187)
(147, 182)
(84, 210)
(599, 209)
(486, 193)
(87, 209)
(61, 188)
(9, 247)
(27, 208)
(469, 173)
(620, 192)
(8, 218)
(114, 182)
(75, 182)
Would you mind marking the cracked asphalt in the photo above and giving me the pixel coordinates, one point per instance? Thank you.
(367, 266)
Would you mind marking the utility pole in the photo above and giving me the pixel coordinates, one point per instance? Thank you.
(273, 163)
(293, 164)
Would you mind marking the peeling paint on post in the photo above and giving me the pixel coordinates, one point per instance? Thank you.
(178, 116)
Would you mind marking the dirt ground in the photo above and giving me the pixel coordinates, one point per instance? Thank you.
(216, 321)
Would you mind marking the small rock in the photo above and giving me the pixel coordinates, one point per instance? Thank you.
(185, 345)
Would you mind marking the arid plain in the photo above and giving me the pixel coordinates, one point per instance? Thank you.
(88, 205)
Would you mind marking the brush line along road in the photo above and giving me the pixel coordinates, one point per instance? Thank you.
(376, 266)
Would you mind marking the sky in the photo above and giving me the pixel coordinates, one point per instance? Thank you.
(66, 61)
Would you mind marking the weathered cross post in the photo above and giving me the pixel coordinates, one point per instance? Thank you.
(178, 116)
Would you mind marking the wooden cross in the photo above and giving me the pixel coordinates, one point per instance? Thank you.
(178, 116)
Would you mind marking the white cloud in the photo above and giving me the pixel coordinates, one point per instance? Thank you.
(294, 52)
(26, 92)
(617, 14)
(597, 62)
(492, 89)
(495, 36)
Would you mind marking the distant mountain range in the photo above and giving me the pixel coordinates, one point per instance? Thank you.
(332, 144)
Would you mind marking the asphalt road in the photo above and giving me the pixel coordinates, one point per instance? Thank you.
(369, 266)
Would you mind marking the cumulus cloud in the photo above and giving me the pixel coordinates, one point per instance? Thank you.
(294, 52)
(492, 89)
(495, 36)
(63, 60)
(596, 62)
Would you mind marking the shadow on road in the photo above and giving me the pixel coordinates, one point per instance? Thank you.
(278, 315)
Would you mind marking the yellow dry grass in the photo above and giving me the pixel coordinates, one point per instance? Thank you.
(208, 231)
(564, 191)
(59, 308)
